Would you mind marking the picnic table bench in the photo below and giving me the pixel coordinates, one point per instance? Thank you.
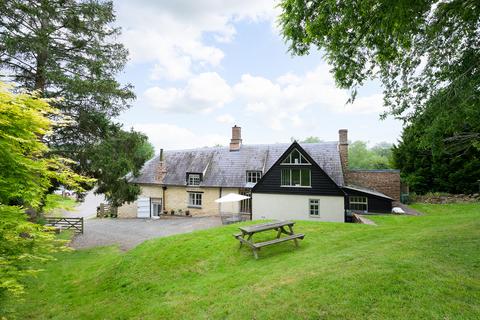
(245, 237)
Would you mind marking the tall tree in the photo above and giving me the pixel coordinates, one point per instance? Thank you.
(119, 154)
(416, 48)
(67, 49)
(437, 151)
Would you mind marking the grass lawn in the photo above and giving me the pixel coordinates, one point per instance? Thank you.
(55, 204)
(425, 267)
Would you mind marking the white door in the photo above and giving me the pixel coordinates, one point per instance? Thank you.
(143, 208)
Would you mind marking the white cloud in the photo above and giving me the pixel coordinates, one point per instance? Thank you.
(275, 102)
(170, 137)
(225, 118)
(203, 93)
(170, 34)
(281, 101)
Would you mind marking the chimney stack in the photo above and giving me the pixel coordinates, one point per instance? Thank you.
(236, 141)
(161, 168)
(343, 150)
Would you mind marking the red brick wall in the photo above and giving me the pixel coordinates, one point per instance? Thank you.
(384, 181)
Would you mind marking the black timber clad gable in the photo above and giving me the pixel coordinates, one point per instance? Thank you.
(321, 183)
(375, 203)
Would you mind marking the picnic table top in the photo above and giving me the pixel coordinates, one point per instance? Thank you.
(266, 226)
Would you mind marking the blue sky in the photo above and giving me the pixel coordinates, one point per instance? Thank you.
(200, 67)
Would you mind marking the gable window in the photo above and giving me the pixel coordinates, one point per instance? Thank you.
(296, 178)
(358, 203)
(314, 205)
(254, 176)
(195, 199)
(295, 157)
(193, 179)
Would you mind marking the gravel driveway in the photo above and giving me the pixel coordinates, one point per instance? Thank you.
(128, 233)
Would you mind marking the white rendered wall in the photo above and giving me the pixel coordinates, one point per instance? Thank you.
(296, 207)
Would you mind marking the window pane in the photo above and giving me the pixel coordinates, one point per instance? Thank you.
(285, 177)
(305, 177)
(295, 177)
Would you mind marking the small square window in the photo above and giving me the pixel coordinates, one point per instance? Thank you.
(314, 207)
(193, 179)
(254, 176)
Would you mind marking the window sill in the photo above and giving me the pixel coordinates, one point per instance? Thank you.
(194, 207)
(314, 216)
(305, 187)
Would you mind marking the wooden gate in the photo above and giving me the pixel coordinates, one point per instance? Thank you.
(75, 224)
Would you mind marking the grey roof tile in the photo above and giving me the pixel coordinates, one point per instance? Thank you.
(225, 168)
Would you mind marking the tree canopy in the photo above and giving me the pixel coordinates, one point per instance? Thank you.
(377, 157)
(416, 48)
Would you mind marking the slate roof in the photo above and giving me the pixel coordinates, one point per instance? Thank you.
(368, 191)
(225, 168)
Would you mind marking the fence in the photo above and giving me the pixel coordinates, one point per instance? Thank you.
(75, 224)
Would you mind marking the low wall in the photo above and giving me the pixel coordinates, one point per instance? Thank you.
(446, 198)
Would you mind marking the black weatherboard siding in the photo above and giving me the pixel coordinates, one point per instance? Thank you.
(375, 203)
(321, 183)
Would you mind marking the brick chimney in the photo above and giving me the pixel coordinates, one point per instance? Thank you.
(161, 168)
(236, 141)
(343, 150)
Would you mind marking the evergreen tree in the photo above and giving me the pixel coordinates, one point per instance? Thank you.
(67, 49)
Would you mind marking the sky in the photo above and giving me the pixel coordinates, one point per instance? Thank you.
(199, 67)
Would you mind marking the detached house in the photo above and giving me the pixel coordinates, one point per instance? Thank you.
(284, 181)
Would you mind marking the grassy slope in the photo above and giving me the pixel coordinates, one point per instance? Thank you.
(407, 267)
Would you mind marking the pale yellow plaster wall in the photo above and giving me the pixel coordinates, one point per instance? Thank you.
(129, 210)
(176, 197)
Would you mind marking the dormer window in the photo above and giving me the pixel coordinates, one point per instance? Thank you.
(254, 176)
(295, 158)
(193, 179)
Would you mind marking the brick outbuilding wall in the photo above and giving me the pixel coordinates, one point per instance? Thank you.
(384, 181)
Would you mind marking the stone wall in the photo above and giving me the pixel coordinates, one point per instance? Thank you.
(446, 198)
(384, 181)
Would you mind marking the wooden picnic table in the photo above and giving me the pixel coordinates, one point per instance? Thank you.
(245, 237)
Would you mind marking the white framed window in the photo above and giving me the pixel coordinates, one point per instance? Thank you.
(314, 207)
(358, 203)
(195, 199)
(193, 179)
(296, 178)
(254, 176)
(295, 157)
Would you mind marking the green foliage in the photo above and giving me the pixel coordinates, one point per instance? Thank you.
(407, 267)
(361, 157)
(27, 170)
(311, 139)
(23, 247)
(120, 153)
(416, 48)
(438, 152)
(67, 49)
